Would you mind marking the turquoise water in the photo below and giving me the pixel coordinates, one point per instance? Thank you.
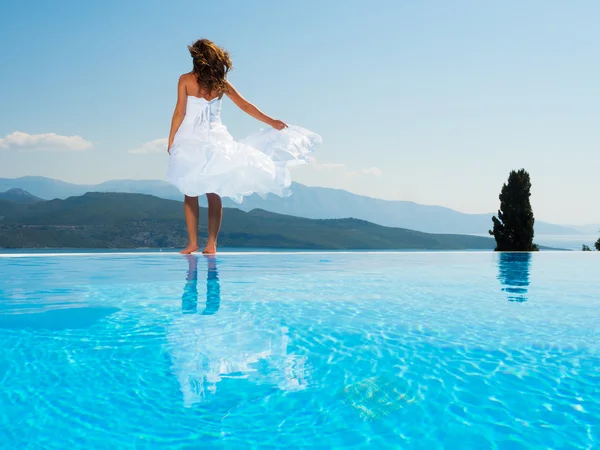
(293, 350)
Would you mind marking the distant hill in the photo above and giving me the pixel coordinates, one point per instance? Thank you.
(318, 202)
(19, 196)
(305, 201)
(117, 220)
(588, 229)
(49, 189)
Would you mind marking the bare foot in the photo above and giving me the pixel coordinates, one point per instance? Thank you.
(210, 249)
(190, 249)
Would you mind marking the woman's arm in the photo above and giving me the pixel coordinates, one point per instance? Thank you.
(252, 110)
(179, 112)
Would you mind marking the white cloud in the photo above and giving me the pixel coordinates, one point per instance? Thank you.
(43, 142)
(327, 166)
(375, 171)
(156, 146)
(343, 170)
(369, 171)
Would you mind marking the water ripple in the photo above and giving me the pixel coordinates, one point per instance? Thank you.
(392, 351)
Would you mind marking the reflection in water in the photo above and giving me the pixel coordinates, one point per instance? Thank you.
(189, 299)
(513, 273)
(235, 344)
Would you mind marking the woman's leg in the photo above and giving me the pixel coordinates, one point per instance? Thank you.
(192, 213)
(215, 215)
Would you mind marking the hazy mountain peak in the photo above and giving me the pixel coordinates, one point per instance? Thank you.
(18, 195)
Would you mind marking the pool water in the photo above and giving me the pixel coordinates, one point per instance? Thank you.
(293, 350)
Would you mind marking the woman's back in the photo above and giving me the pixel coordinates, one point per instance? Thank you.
(193, 89)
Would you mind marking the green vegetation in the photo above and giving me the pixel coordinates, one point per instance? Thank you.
(513, 228)
(116, 220)
(306, 201)
(597, 244)
(585, 248)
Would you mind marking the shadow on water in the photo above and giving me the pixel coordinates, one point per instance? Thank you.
(189, 299)
(513, 273)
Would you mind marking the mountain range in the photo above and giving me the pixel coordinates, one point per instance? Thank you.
(305, 201)
(121, 220)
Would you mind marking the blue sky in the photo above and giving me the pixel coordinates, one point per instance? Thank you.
(429, 101)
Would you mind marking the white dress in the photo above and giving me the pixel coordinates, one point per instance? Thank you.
(206, 159)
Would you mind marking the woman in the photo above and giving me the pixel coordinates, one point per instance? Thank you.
(204, 157)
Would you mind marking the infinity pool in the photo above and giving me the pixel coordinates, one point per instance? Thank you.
(293, 350)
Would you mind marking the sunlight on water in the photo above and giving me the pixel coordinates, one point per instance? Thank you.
(396, 350)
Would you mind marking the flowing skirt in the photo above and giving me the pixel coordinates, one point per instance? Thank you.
(211, 161)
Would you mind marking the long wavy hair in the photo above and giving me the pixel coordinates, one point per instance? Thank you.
(211, 65)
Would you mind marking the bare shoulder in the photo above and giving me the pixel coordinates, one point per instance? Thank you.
(230, 90)
(186, 79)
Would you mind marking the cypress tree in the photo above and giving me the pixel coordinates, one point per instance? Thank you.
(513, 228)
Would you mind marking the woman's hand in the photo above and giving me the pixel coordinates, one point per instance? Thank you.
(278, 124)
